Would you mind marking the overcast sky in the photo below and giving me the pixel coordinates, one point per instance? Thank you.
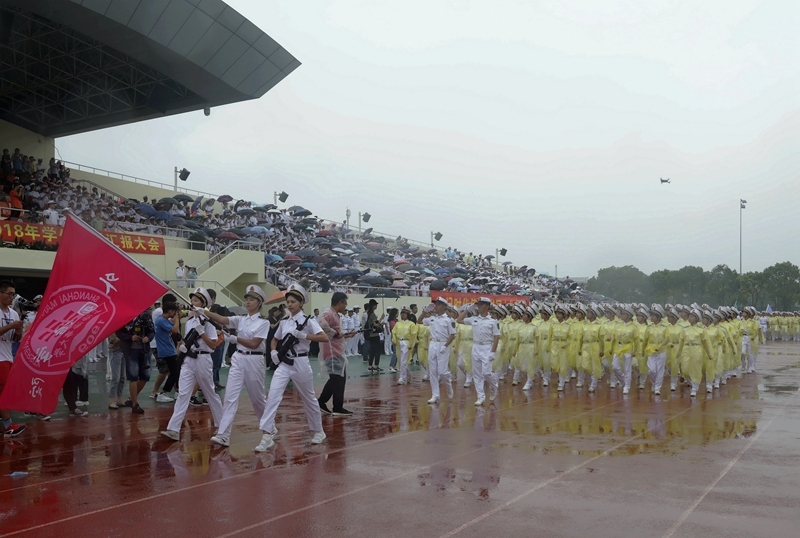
(538, 126)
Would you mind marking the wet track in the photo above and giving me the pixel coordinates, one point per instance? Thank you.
(533, 464)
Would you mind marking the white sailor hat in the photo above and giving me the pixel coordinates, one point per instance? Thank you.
(627, 309)
(671, 312)
(642, 311)
(201, 294)
(255, 292)
(719, 316)
(658, 310)
(405, 309)
(38, 297)
(298, 292)
(708, 314)
(598, 311)
(533, 309)
(608, 307)
(546, 309)
(484, 300)
(696, 313)
(580, 308)
(442, 300)
(564, 309)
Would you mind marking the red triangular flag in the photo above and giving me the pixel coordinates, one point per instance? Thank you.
(94, 289)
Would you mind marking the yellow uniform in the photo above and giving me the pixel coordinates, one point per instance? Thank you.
(695, 350)
(654, 344)
(591, 344)
(625, 342)
(675, 337)
(464, 340)
(404, 337)
(559, 351)
(544, 359)
(423, 339)
(525, 357)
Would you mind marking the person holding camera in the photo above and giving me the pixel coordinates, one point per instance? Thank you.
(199, 340)
(290, 348)
(247, 364)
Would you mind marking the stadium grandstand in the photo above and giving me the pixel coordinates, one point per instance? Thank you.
(70, 67)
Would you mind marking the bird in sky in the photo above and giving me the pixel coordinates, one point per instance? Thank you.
(664, 180)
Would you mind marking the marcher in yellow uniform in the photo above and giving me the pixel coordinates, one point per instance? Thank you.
(544, 360)
(641, 357)
(591, 346)
(695, 351)
(499, 365)
(404, 337)
(423, 339)
(625, 343)
(607, 335)
(526, 347)
(464, 341)
(654, 346)
(512, 339)
(753, 335)
(675, 339)
(576, 343)
(559, 345)
(714, 340)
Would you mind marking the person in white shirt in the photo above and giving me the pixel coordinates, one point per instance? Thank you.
(293, 366)
(10, 332)
(180, 274)
(50, 214)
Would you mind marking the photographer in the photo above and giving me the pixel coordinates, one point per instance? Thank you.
(333, 359)
(167, 324)
(373, 329)
(134, 343)
(290, 348)
(247, 364)
(199, 342)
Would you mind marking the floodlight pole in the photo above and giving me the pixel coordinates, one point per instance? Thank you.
(741, 208)
(176, 179)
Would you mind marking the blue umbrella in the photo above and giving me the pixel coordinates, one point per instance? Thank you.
(341, 272)
(442, 271)
(272, 258)
(196, 204)
(428, 271)
(146, 209)
(163, 215)
(418, 261)
(307, 265)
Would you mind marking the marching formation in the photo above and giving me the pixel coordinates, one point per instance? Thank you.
(623, 345)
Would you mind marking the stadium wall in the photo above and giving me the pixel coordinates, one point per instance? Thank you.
(29, 143)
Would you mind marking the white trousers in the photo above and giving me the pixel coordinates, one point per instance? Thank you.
(195, 370)
(403, 361)
(302, 376)
(656, 364)
(387, 345)
(438, 371)
(482, 369)
(622, 369)
(748, 359)
(246, 371)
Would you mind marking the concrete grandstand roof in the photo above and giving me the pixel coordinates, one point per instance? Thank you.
(70, 66)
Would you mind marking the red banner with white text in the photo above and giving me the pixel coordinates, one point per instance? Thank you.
(28, 232)
(458, 299)
(94, 290)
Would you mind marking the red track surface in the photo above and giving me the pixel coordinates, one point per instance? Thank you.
(537, 464)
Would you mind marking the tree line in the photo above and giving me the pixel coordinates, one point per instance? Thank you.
(777, 286)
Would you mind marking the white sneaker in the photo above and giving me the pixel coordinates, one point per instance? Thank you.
(78, 413)
(709, 390)
(716, 385)
(467, 385)
(545, 383)
(641, 386)
(528, 385)
(657, 393)
(433, 400)
(401, 382)
(626, 390)
(265, 444)
(492, 393)
(673, 388)
(172, 434)
(572, 375)
(318, 438)
(426, 378)
(479, 402)
(449, 388)
(592, 388)
(221, 440)
(578, 385)
(693, 393)
(80, 403)
(560, 387)
(163, 398)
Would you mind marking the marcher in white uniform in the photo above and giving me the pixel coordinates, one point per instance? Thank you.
(305, 330)
(180, 273)
(247, 364)
(443, 332)
(485, 336)
(196, 369)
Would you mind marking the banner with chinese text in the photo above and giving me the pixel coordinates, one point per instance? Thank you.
(93, 290)
(51, 235)
(458, 299)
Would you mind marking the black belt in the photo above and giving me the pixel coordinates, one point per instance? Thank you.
(249, 352)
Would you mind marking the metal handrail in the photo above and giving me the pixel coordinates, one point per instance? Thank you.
(219, 287)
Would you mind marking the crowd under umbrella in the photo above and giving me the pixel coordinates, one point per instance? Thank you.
(168, 200)
(196, 204)
(438, 285)
(292, 258)
(245, 212)
(306, 253)
(146, 209)
(181, 197)
(225, 198)
(227, 235)
(383, 293)
(272, 258)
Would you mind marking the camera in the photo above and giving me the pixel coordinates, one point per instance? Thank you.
(27, 306)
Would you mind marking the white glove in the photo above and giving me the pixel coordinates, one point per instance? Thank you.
(298, 334)
(492, 356)
(232, 339)
(274, 356)
(182, 348)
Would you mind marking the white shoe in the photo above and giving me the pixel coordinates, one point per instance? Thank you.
(693, 393)
(318, 438)
(572, 375)
(449, 388)
(401, 382)
(560, 387)
(266, 443)
(673, 388)
(641, 386)
(221, 440)
(479, 402)
(592, 388)
(515, 383)
(80, 403)
(163, 398)
(545, 383)
(108, 377)
(433, 400)
(626, 390)
(709, 390)
(425, 378)
(492, 393)
(578, 385)
(657, 393)
(716, 385)
(172, 434)
(78, 413)
(528, 385)
(467, 385)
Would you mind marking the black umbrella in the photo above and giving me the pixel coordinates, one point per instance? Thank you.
(246, 212)
(367, 231)
(183, 198)
(302, 213)
(307, 253)
(168, 200)
(382, 293)
(296, 208)
(438, 285)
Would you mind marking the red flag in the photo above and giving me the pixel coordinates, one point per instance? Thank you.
(94, 289)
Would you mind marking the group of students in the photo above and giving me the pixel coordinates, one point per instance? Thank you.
(626, 344)
(781, 325)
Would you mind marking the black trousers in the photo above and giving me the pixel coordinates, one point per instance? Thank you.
(334, 388)
(375, 348)
(174, 373)
(70, 389)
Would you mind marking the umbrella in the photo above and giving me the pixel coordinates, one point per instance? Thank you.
(302, 213)
(430, 279)
(438, 285)
(400, 262)
(307, 253)
(488, 257)
(340, 250)
(324, 233)
(292, 258)
(320, 259)
(381, 294)
(252, 241)
(442, 271)
(246, 212)
(296, 208)
(197, 203)
(146, 209)
(448, 263)
(319, 240)
(176, 221)
(418, 261)
(399, 284)
(272, 258)
(456, 280)
(307, 265)
(225, 198)
(404, 267)
(507, 263)
(273, 211)
(227, 235)
(412, 272)
(168, 200)
(367, 231)
(428, 271)
(341, 273)
(191, 224)
(163, 215)
(183, 198)
(345, 261)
